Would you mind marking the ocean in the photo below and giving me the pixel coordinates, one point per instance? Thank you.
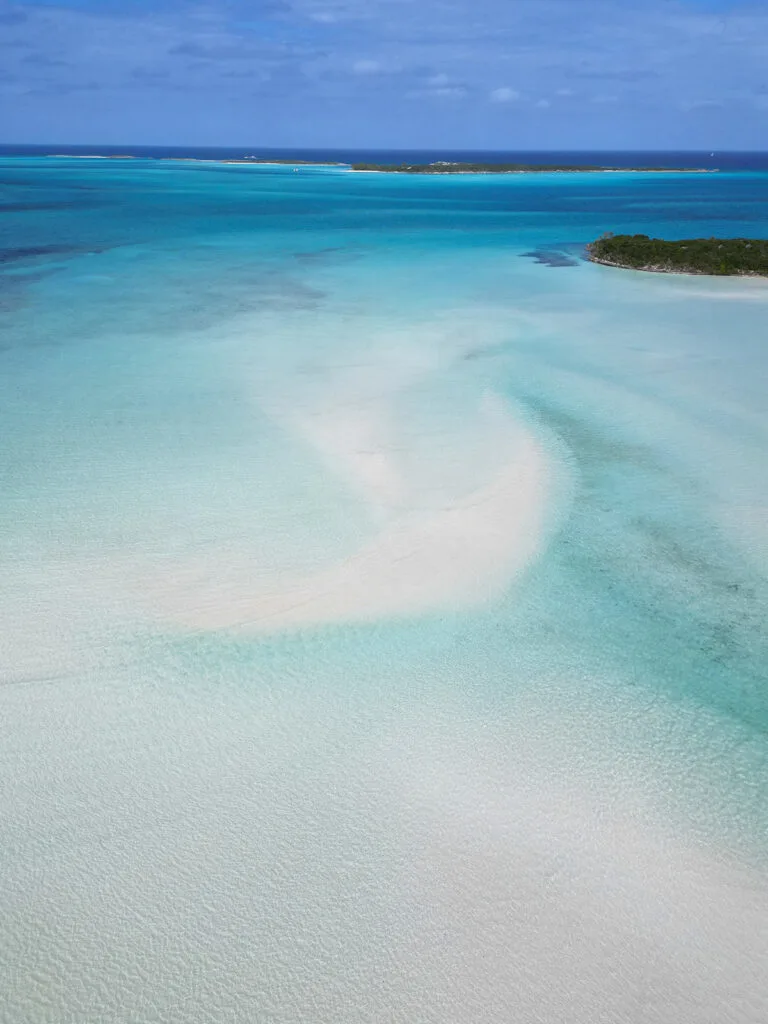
(384, 595)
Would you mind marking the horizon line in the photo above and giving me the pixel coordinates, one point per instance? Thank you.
(346, 149)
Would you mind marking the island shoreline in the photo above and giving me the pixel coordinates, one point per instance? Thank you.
(659, 269)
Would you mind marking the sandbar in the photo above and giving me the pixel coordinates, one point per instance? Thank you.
(462, 551)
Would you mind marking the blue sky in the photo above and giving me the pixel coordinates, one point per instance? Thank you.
(504, 74)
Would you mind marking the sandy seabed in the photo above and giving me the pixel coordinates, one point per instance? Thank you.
(452, 550)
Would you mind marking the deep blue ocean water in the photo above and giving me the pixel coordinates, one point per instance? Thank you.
(384, 595)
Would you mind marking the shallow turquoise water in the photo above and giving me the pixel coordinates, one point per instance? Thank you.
(532, 788)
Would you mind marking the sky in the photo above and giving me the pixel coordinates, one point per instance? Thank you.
(483, 74)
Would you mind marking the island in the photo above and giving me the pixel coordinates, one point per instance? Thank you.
(724, 257)
(436, 167)
(452, 167)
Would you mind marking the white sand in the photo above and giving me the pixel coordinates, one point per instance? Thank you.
(380, 849)
(550, 893)
(430, 552)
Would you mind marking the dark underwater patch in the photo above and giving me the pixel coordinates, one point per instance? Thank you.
(551, 258)
(25, 205)
(319, 254)
(20, 253)
(275, 291)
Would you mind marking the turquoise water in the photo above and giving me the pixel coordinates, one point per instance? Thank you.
(384, 600)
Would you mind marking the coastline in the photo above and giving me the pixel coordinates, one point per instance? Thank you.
(659, 269)
(664, 269)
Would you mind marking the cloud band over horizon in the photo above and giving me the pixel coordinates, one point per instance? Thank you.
(505, 74)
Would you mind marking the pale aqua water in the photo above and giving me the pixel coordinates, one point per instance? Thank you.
(456, 779)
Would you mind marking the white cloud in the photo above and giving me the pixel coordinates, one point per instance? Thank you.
(366, 67)
(441, 84)
(604, 54)
(689, 105)
(543, 104)
(504, 95)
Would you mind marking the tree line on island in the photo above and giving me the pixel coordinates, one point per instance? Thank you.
(719, 256)
(453, 167)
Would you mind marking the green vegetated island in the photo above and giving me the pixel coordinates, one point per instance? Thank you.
(451, 167)
(725, 257)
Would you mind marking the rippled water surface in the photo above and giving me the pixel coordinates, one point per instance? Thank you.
(384, 599)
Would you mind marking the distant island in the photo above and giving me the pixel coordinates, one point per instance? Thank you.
(725, 257)
(450, 167)
(437, 167)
